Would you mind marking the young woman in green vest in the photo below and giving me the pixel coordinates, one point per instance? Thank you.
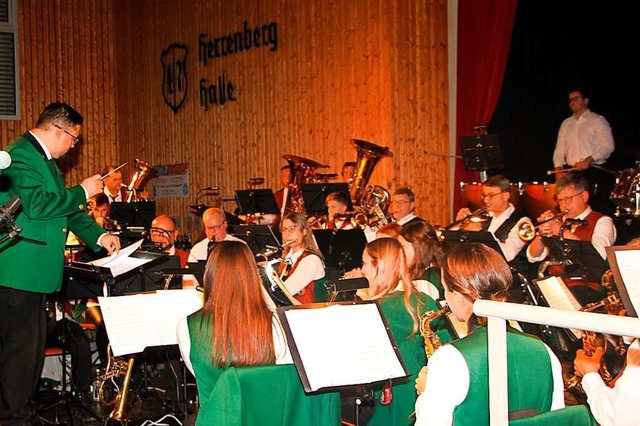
(234, 328)
(457, 387)
(390, 284)
(424, 254)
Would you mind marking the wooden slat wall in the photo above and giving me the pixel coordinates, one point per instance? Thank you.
(367, 69)
(66, 54)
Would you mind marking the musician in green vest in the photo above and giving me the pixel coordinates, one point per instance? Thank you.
(457, 382)
(31, 263)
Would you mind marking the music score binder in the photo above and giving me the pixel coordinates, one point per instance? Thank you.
(339, 345)
(582, 253)
(625, 266)
(455, 238)
(557, 295)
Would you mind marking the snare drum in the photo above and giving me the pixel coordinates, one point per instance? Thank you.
(627, 185)
(538, 198)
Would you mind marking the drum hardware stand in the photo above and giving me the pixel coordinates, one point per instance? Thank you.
(64, 397)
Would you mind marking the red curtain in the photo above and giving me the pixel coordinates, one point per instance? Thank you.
(484, 35)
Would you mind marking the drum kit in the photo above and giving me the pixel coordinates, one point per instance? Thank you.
(534, 198)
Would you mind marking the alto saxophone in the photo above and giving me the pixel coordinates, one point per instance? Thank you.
(431, 339)
(117, 367)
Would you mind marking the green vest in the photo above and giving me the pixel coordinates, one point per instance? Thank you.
(529, 376)
(432, 275)
(270, 395)
(412, 353)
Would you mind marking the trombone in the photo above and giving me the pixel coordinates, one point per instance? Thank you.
(527, 231)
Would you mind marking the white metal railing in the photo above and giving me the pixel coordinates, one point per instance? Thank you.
(498, 313)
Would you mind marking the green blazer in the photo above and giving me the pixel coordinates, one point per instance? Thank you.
(49, 211)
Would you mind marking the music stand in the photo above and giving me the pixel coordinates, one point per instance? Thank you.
(252, 201)
(623, 260)
(586, 260)
(138, 214)
(455, 238)
(85, 280)
(315, 194)
(257, 237)
(197, 270)
(341, 249)
(481, 153)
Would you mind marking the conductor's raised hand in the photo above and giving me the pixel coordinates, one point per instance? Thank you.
(93, 185)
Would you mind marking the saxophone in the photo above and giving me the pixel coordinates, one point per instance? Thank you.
(116, 367)
(431, 339)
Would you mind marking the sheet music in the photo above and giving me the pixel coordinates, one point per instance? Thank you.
(121, 262)
(148, 319)
(343, 345)
(629, 265)
(558, 296)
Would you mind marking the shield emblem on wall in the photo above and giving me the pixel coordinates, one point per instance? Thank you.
(174, 76)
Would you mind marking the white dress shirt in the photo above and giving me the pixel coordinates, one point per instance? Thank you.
(406, 219)
(513, 244)
(309, 269)
(619, 405)
(199, 249)
(588, 135)
(604, 235)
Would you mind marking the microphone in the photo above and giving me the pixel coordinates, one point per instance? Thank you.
(8, 211)
(5, 160)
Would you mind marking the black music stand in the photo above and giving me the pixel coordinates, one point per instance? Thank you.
(342, 249)
(252, 201)
(137, 214)
(197, 270)
(86, 280)
(455, 238)
(585, 260)
(257, 237)
(315, 194)
(481, 153)
(345, 289)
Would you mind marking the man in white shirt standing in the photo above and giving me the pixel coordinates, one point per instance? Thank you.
(585, 140)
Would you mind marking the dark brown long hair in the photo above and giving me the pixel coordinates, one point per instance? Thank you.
(477, 272)
(241, 323)
(426, 246)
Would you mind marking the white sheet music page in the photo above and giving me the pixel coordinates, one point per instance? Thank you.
(558, 296)
(629, 265)
(122, 262)
(148, 319)
(343, 345)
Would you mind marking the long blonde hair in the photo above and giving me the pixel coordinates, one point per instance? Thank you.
(309, 243)
(388, 258)
(241, 323)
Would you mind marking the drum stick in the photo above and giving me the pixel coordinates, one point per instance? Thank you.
(114, 170)
(553, 172)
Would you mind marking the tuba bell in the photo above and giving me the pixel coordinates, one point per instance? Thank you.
(303, 171)
(144, 173)
(374, 200)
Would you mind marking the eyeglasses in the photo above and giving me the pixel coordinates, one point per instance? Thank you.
(74, 138)
(575, 98)
(160, 231)
(489, 196)
(400, 201)
(289, 229)
(567, 199)
(214, 227)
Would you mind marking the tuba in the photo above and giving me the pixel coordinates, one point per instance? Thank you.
(144, 173)
(302, 172)
(374, 200)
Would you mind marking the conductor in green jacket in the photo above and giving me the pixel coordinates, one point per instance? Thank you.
(28, 270)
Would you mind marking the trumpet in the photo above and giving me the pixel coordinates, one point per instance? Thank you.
(527, 231)
(479, 215)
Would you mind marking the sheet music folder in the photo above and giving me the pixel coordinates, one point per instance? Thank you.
(339, 345)
(582, 253)
(455, 238)
(625, 266)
